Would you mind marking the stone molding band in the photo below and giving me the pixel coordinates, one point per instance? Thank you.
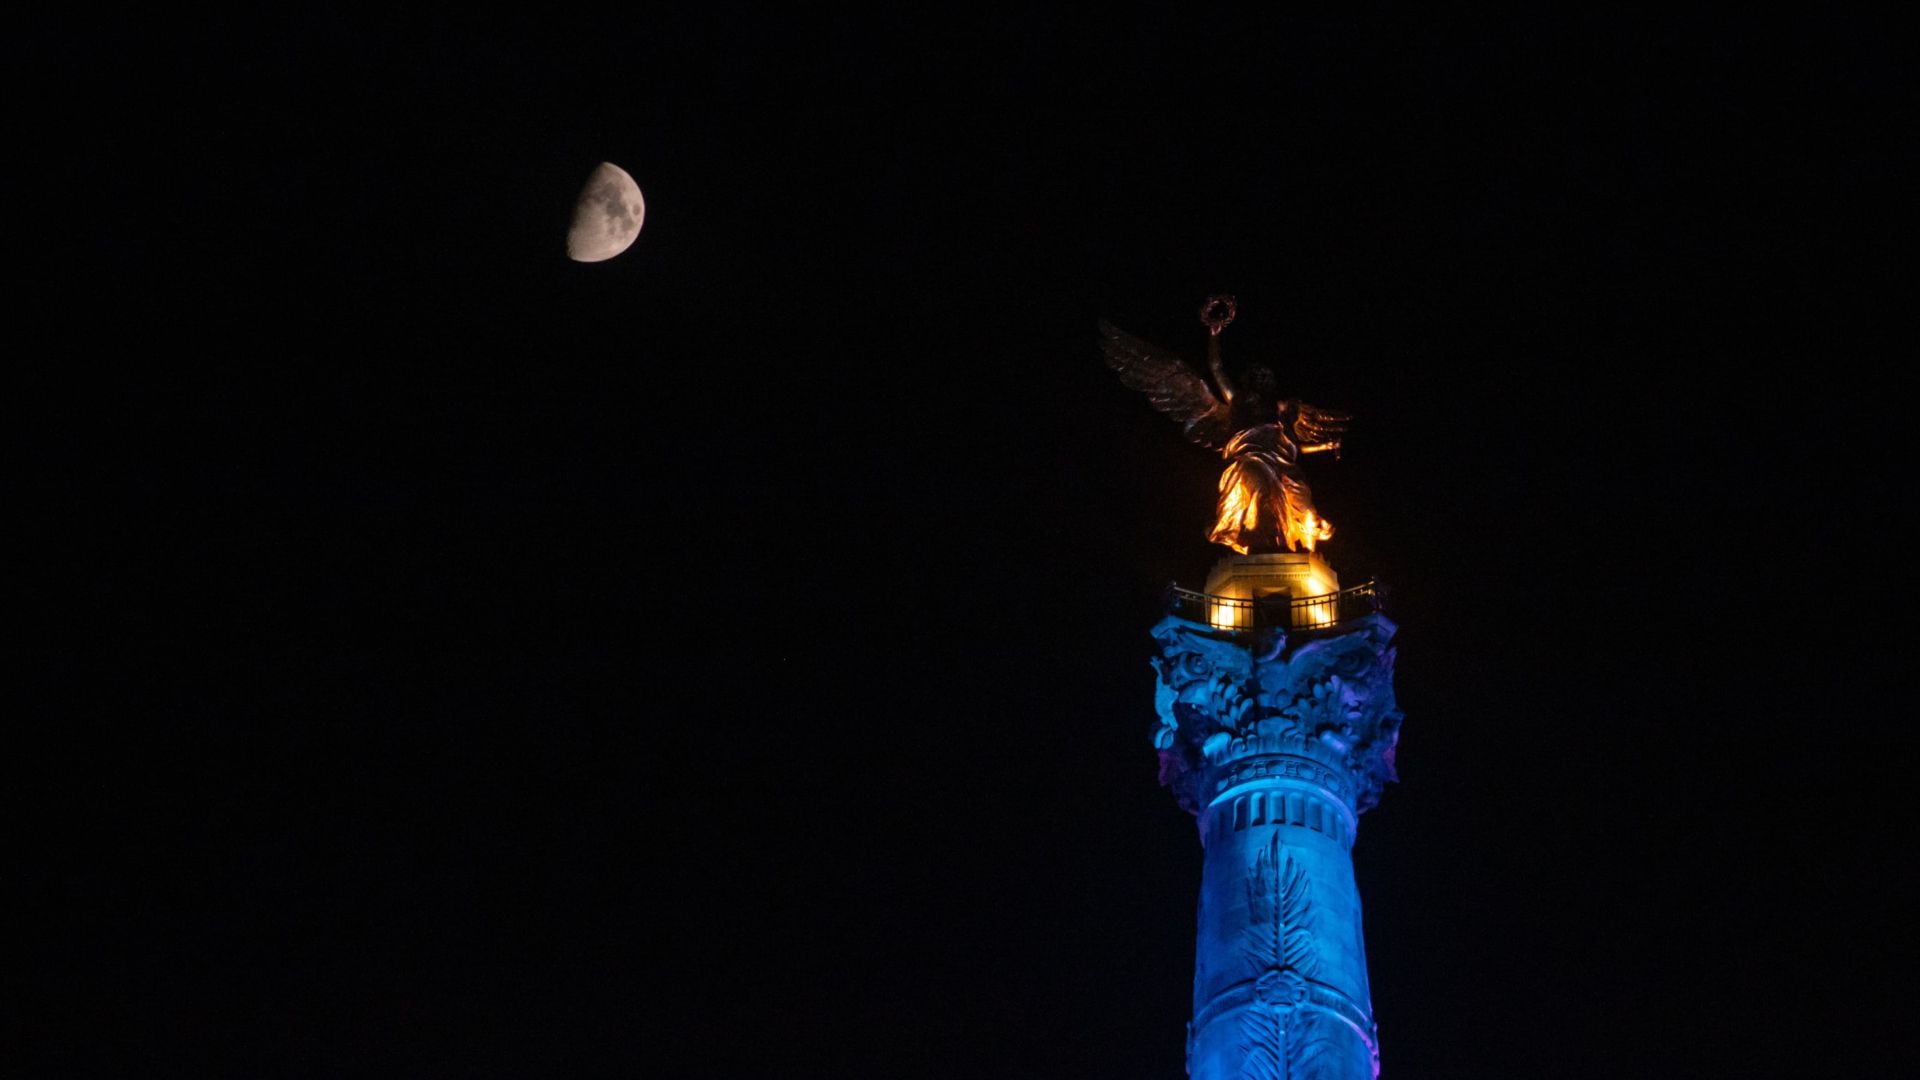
(1320, 998)
(1280, 802)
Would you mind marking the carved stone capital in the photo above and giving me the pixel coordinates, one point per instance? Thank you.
(1234, 706)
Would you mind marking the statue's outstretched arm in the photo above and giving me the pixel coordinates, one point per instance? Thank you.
(1317, 430)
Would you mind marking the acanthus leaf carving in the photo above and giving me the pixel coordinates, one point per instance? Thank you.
(1331, 696)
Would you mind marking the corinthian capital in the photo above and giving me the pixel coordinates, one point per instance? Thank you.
(1229, 701)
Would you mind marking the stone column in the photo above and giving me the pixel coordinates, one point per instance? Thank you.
(1277, 741)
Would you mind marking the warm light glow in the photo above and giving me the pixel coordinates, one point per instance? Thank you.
(1263, 505)
(1225, 614)
(1320, 612)
(1238, 515)
(1312, 529)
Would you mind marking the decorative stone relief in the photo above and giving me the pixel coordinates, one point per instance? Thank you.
(1222, 697)
(1279, 932)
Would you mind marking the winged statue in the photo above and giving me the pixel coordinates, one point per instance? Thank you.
(1265, 504)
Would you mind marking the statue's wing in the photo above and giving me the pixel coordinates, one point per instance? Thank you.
(1313, 424)
(1169, 383)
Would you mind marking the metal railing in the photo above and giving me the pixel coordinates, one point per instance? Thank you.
(1283, 612)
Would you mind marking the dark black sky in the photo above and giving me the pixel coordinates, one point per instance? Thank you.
(730, 660)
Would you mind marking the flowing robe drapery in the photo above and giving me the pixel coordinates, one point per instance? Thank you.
(1264, 504)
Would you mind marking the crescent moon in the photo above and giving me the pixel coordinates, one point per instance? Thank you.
(606, 216)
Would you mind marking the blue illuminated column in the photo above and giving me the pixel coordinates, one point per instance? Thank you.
(1277, 740)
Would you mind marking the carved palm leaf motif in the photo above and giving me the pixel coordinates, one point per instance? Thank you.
(1279, 933)
(1170, 383)
(1313, 1056)
(1263, 1045)
(1278, 947)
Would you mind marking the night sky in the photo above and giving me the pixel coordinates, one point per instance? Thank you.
(730, 660)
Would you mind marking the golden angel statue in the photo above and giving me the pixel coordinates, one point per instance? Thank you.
(1265, 504)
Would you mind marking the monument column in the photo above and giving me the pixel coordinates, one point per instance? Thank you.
(1277, 730)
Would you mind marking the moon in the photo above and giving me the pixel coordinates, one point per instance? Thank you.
(607, 215)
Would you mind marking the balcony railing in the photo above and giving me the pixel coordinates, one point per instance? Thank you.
(1283, 612)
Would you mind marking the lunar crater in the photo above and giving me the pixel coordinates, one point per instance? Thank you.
(607, 215)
